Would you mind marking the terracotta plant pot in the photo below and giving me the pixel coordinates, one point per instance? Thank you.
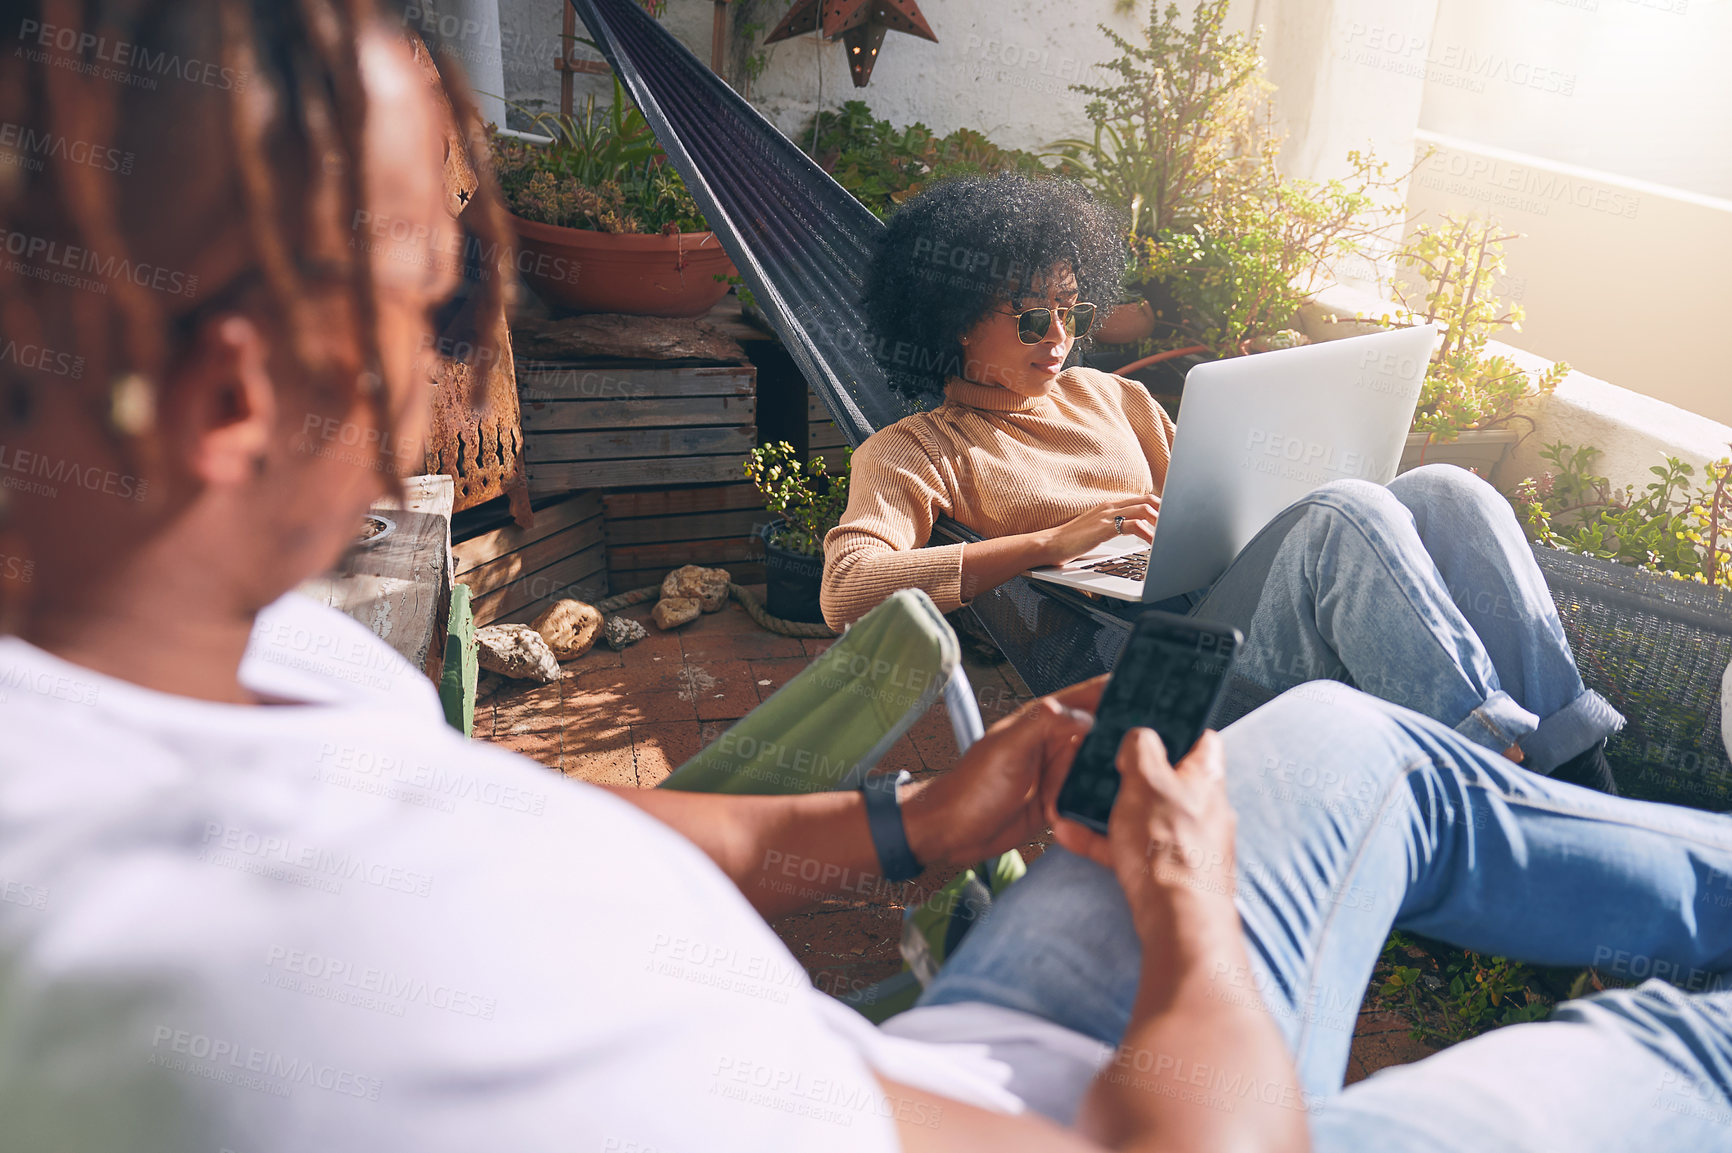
(1126, 323)
(637, 274)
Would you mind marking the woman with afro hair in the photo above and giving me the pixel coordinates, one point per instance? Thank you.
(1423, 592)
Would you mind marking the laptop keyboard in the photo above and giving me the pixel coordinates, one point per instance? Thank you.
(1132, 566)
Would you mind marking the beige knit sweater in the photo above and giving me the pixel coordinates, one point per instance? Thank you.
(994, 461)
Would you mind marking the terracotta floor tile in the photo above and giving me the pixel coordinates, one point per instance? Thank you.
(1379, 1041)
(653, 708)
(660, 748)
(605, 706)
(523, 707)
(546, 746)
(816, 645)
(932, 737)
(709, 732)
(904, 756)
(777, 672)
(994, 696)
(599, 657)
(655, 650)
(756, 645)
(733, 617)
(664, 676)
(595, 711)
(488, 685)
(482, 730)
(845, 949)
(601, 760)
(720, 690)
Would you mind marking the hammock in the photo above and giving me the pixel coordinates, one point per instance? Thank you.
(801, 242)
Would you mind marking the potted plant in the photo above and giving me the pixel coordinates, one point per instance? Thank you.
(1468, 398)
(883, 165)
(1665, 528)
(808, 501)
(1225, 248)
(604, 222)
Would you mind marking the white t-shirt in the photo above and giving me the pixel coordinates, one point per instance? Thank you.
(340, 925)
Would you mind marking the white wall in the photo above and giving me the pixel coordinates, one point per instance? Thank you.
(530, 38)
(1626, 281)
(1624, 104)
(1636, 88)
(1005, 68)
(1001, 67)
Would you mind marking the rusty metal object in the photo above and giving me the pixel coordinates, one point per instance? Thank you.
(480, 449)
(476, 435)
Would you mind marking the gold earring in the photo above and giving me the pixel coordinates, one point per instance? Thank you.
(132, 404)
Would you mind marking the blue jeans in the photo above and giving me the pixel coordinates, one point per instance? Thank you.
(1356, 816)
(1424, 593)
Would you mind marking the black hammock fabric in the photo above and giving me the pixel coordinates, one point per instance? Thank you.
(1652, 646)
(801, 242)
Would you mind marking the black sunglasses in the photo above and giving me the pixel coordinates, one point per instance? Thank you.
(1033, 325)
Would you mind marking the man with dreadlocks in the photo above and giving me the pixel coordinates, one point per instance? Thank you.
(212, 939)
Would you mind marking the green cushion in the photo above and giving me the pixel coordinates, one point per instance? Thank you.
(827, 727)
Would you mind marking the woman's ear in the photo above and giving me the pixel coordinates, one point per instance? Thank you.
(225, 403)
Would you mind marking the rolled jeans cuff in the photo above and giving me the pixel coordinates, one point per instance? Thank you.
(1571, 730)
(1498, 723)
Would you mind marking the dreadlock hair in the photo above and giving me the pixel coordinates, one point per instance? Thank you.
(955, 251)
(109, 75)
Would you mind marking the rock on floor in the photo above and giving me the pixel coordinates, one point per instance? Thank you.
(672, 612)
(619, 632)
(707, 586)
(516, 651)
(569, 627)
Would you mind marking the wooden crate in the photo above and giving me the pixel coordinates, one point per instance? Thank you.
(627, 426)
(514, 573)
(651, 532)
(823, 437)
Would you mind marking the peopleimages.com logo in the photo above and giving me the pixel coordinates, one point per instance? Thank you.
(112, 58)
(92, 478)
(74, 263)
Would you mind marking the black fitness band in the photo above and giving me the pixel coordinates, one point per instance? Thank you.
(889, 834)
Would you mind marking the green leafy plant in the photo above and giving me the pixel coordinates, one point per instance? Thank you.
(1456, 266)
(741, 291)
(604, 171)
(883, 165)
(1243, 275)
(1450, 995)
(808, 498)
(1225, 247)
(1181, 127)
(751, 19)
(1671, 526)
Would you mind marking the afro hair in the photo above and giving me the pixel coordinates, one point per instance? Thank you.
(953, 252)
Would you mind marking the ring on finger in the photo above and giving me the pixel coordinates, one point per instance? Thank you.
(1119, 524)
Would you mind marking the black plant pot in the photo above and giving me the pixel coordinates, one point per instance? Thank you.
(792, 580)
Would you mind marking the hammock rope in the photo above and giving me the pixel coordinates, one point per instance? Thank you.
(747, 600)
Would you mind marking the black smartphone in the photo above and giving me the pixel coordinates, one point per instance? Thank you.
(1167, 679)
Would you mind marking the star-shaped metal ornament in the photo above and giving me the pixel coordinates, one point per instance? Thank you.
(861, 24)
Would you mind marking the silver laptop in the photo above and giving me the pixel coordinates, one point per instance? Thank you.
(1257, 433)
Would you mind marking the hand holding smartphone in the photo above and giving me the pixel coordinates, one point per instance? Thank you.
(1168, 679)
